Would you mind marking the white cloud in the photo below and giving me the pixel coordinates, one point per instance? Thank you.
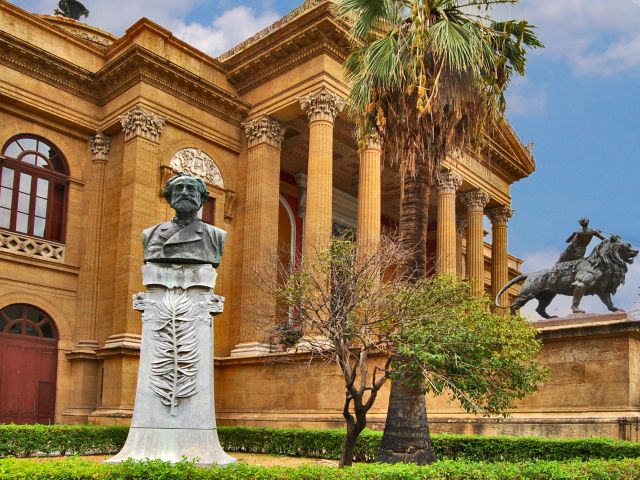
(627, 296)
(525, 98)
(225, 31)
(596, 37)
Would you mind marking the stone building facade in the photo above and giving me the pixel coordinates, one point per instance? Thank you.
(91, 125)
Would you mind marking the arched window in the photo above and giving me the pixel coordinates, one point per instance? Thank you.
(33, 188)
(22, 319)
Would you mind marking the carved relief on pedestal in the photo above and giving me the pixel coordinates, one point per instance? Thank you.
(174, 316)
(500, 215)
(140, 122)
(461, 226)
(198, 164)
(264, 130)
(100, 145)
(322, 105)
(449, 181)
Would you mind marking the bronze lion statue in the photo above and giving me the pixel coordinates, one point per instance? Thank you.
(601, 273)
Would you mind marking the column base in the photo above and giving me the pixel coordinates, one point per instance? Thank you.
(250, 349)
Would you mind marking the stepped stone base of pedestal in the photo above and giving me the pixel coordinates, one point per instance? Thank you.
(250, 349)
(172, 444)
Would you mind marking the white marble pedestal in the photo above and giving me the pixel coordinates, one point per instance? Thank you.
(174, 414)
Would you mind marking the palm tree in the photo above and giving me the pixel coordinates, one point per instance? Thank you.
(429, 77)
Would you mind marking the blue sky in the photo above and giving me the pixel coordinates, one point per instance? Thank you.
(579, 105)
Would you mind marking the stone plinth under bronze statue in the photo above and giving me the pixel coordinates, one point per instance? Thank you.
(173, 415)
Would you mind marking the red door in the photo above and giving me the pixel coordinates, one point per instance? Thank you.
(28, 360)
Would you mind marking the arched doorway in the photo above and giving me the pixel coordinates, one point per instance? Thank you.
(28, 360)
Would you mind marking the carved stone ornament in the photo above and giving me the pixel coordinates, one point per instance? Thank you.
(461, 226)
(475, 199)
(322, 105)
(229, 205)
(301, 181)
(264, 130)
(499, 215)
(100, 145)
(371, 142)
(198, 164)
(449, 181)
(140, 122)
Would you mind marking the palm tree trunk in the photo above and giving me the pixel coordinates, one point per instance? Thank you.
(406, 436)
(406, 431)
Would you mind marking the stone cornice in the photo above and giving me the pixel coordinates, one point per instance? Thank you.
(449, 181)
(313, 32)
(499, 215)
(264, 130)
(44, 66)
(475, 199)
(100, 145)
(139, 64)
(142, 123)
(322, 105)
(288, 18)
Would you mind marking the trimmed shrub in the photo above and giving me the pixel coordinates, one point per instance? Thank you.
(26, 440)
(73, 469)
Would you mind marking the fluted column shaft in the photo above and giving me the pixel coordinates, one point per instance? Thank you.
(461, 229)
(100, 145)
(321, 109)
(261, 222)
(448, 183)
(499, 247)
(475, 201)
(369, 197)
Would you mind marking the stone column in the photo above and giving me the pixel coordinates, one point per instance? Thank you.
(139, 190)
(461, 231)
(448, 182)
(369, 196)
(321, 109)
(264, 137)
(475, 201)
(499, 217)
(84, 362)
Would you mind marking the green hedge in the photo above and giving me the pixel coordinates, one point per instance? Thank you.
(25, 440)
(73, 469)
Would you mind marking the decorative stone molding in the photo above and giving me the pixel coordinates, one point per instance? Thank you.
(100, 145)
(500, 215)
(475, 199)
(461, 226)
(322, 105)
(140, 122)
(229, 205)
(449, 181)
(31, 246)
(199, 164)
(371, 142)
(264, 130)
(301, 181)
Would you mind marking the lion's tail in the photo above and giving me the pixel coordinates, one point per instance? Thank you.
(518, 279)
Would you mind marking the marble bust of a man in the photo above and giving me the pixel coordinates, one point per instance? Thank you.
(186, 238)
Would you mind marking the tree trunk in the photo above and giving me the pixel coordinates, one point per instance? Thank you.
(406, 436)
(353, 431)
(406, 431)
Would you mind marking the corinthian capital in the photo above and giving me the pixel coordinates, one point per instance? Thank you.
(322, 105)
(449, 181)
(499, 215)
(264, 130)
(100, 145)
(140, 122)
(475, 199)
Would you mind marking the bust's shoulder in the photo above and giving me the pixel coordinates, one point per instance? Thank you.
(150, 230)
(218, 232)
